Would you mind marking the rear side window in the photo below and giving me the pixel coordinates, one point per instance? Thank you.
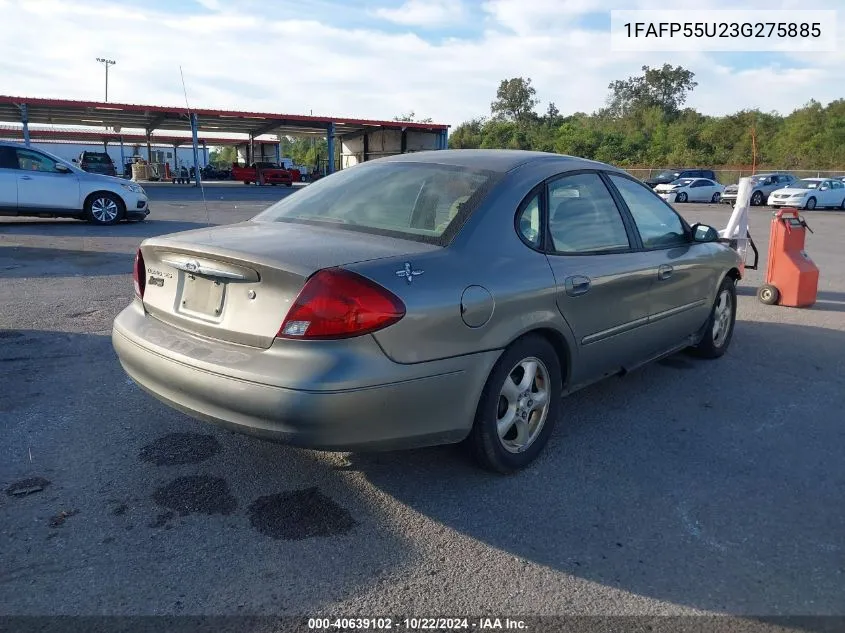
(583, 217)
(528, 222)
(422, 201)
(8, 158)
(658, 224)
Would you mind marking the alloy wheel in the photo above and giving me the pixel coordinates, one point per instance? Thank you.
(523, 404)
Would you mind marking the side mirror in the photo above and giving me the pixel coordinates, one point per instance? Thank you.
(704, 233)
(62, 169)
(75, 161)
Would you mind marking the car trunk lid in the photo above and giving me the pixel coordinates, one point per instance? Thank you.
(237, 283)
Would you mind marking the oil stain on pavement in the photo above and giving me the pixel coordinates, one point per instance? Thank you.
(176, 449)
(196, 494)
(299, 514)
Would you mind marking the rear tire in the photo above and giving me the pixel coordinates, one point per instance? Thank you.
(719, 329)
(525, 408)
(716, 197)
(756, 198)
(104, 208)
(768, 294)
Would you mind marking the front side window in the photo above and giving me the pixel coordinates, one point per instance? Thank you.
(658, 224)
(33, 161)
(413, 200)
(583, 217)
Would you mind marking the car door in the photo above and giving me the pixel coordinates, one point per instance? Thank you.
(42, 186)
(698, 191)
(683, 271)
(602, 281)
(837, 190)
(8, 181)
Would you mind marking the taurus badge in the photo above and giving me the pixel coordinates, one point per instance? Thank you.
(408, 272)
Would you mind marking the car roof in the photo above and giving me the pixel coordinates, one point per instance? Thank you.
(497, 160)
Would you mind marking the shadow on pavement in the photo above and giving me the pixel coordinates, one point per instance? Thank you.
(74, 228)
(29, 262)
(711, 484)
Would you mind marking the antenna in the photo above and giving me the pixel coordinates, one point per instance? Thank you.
(196, 166)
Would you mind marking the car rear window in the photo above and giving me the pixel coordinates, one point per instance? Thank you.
(420, 201)
(97, 159)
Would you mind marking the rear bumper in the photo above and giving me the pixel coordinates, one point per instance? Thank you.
(424, 404)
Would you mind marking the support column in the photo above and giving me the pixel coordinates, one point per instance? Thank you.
(366, 147)
(278, 153)
(195, 141)
(330, 134)
(403, 146)
(204, 154)
(444, 144)
(25, 122)
(175, 158)
(149, 148)
(122, 159)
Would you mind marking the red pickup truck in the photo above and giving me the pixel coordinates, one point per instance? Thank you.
(272, 174)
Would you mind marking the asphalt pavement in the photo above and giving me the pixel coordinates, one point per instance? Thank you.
(686, 487)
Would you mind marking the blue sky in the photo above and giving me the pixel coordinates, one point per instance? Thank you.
(376, 59)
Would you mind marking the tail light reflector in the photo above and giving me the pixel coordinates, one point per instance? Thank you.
(139, 274)
(336, 303)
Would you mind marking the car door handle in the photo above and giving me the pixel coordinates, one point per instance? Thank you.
(664, 272)
(577, 285)
(26, 177)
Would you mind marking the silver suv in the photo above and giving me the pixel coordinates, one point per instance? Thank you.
(763, 184)
(36, 183)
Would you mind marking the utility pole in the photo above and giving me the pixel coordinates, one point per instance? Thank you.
(106, 63)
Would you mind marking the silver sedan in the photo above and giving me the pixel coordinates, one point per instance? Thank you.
(427, 298)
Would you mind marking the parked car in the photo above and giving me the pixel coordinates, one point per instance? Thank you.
(671, 175)
(762, 186)
(810, 193)
(690, 190)
(424, 299)
(37, 183)
(96, 163)
(273, 174)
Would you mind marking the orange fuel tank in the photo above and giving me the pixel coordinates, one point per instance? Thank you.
(792, 278)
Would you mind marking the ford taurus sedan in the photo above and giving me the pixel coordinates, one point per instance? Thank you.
(427, 298)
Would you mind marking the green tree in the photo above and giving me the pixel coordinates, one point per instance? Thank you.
(223, 156)
(515, 100)
(666, 87)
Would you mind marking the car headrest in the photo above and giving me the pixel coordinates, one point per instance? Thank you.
(572, 208)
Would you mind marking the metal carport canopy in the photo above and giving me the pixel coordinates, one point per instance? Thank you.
(149, 118)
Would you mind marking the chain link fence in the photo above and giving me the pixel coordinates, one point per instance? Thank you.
(732, 176)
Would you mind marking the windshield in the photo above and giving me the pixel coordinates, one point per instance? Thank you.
(682, 182)
(669, 175)
(416, 200)
(805, 184)
(756, 179)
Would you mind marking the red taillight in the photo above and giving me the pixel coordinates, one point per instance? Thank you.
(340, 304)
(139, 274)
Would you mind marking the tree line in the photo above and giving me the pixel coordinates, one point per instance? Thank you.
(644, 124)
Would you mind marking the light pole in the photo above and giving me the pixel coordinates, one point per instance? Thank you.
(106, 63)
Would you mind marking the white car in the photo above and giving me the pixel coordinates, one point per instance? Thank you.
(810, 193)
(691, 190)
(36, 183)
